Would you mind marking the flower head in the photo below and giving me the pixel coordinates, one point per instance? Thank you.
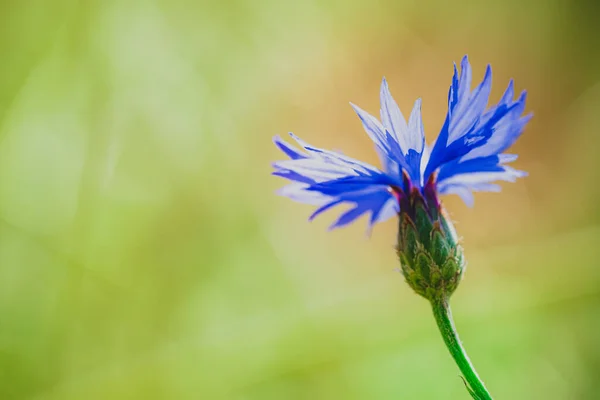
(467, 156)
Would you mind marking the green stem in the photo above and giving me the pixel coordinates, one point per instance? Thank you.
(443, 317)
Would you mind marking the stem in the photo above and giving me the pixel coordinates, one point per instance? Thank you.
(443, 317)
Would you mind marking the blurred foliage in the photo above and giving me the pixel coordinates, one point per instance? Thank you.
(144, 255)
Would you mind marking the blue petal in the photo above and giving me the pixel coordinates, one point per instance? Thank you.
(470, 132)
(293, 176)
(469, 109)
(477, 181)
(463, 177)
(373, 128)
(373, 202)
(387, 145)
(371, 199)
(456, 167)
(505, 134)
(397, 157)
(353, 183)
(466, 192)
(389, 209)
(324, 208)
(328, 178)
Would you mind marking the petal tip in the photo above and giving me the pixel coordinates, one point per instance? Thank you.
(277, 139)
(464, 63)
(522, 97)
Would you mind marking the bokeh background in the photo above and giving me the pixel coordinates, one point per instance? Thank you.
(144, 254)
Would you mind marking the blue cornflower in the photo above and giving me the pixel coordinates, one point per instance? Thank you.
(466, 157)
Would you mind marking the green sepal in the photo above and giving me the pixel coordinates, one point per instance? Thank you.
(431, 259)
(422, 264)
(440, 248)
(424, 225)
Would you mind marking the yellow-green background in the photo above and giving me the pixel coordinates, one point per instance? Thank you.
(144, 255)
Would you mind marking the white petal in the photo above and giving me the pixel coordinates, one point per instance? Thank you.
(372, 126)
(424, 160)
(392, 117)
(416, 135)
(316, 169)
(474, 178)
(298, 192)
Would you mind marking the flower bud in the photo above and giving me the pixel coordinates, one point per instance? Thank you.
(432, 261)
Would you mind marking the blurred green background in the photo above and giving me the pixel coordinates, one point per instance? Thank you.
(144, 255)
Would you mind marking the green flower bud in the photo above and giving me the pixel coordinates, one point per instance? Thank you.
(431, 259)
